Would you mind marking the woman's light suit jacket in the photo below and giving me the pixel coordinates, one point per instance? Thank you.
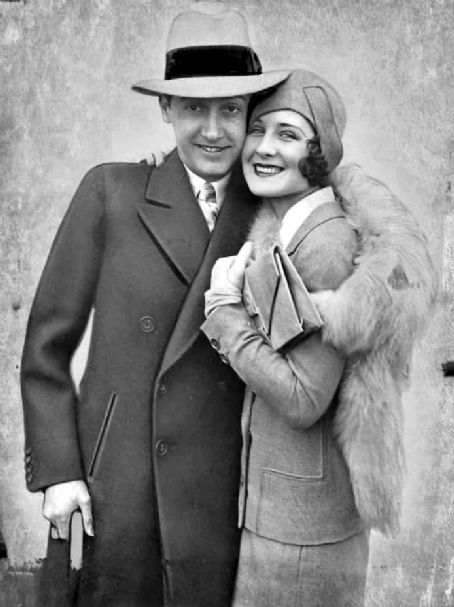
(295, 485)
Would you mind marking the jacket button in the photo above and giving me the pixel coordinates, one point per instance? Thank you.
(215, 344)
(161, 447)
(162, 388)
(146, 324)
(28, 451)
(224, 358)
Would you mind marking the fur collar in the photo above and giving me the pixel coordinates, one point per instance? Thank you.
(375, 317)
(264, 232)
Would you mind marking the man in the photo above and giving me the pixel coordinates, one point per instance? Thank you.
(149, 449)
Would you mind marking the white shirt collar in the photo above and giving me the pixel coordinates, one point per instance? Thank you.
(220, 185)
(300, 211)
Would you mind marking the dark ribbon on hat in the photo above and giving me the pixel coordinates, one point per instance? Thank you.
(197, 61)
(325, 125)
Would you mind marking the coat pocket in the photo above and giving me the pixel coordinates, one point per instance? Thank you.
(289, 506)
(102, 438)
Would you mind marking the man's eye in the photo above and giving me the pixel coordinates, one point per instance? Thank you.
(194, 107)
(232, 109)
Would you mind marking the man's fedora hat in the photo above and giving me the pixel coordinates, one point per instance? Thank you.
(209, 54)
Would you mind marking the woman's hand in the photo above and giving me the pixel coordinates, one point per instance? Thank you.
(156, 159)
(229, 271)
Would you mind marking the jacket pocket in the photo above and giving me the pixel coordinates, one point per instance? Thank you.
(102, 438)
(288, 505)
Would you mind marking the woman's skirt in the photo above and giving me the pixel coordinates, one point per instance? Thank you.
(272, 574)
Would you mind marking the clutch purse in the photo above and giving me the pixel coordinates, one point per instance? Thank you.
(277, 300)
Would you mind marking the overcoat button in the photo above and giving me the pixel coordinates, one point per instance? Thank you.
(224, 358)
(162, 388)
(161, 447)
(28, 450)
(146, 324)
(215, 344)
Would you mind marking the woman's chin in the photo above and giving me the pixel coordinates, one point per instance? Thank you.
(262, 187)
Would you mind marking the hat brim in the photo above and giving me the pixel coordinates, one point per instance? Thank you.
(212, 86)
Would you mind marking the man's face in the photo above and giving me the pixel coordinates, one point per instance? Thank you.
(209, 132)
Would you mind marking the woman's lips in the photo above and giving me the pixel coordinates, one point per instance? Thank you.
(267, 170)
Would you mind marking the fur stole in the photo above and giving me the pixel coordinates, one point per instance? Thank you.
(374, 317)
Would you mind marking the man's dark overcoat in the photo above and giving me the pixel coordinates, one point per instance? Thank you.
(155, 430)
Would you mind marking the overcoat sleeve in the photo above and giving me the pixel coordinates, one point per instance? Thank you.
(301, 383)
(58, 317)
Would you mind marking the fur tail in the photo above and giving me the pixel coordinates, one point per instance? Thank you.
(369, 429)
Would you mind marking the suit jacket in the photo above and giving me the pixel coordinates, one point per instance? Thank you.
(295, 485)
(155, 430)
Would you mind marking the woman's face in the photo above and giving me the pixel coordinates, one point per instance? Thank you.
(274, 146)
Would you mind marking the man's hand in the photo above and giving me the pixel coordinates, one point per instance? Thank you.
(61, 500)
(229, 271)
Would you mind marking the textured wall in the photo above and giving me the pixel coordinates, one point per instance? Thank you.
(65, 71)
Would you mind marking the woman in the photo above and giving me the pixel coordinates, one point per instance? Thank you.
(317, 472)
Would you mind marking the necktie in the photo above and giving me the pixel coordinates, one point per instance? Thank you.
(209, 204)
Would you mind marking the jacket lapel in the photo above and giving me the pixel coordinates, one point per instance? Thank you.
(229, 234)
(325, 212)
(173, 218)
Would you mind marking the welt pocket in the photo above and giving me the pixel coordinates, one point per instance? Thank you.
(303, 458)
(270, 472)
(102, 438)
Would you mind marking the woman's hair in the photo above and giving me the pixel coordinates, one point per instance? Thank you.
(314, 166)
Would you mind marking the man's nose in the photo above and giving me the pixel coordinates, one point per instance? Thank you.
(212, 129)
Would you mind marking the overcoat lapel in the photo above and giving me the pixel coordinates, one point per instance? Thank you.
(174, 219)
(229, 234)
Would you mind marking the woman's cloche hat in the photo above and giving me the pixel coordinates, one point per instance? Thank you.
(315, 99)
(209, 54)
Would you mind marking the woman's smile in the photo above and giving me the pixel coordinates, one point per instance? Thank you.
(275, 145)
(267, 170)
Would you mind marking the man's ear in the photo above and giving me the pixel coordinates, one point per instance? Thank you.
(164, 103)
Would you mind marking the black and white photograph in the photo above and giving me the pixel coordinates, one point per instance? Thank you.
(227, 294)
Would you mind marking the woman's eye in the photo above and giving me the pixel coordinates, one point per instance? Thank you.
(254, 130)
(193, 107)
(288, 135)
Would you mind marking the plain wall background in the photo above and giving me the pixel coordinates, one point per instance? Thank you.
(66, 67)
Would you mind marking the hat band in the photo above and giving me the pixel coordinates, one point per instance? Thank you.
(196, 61)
